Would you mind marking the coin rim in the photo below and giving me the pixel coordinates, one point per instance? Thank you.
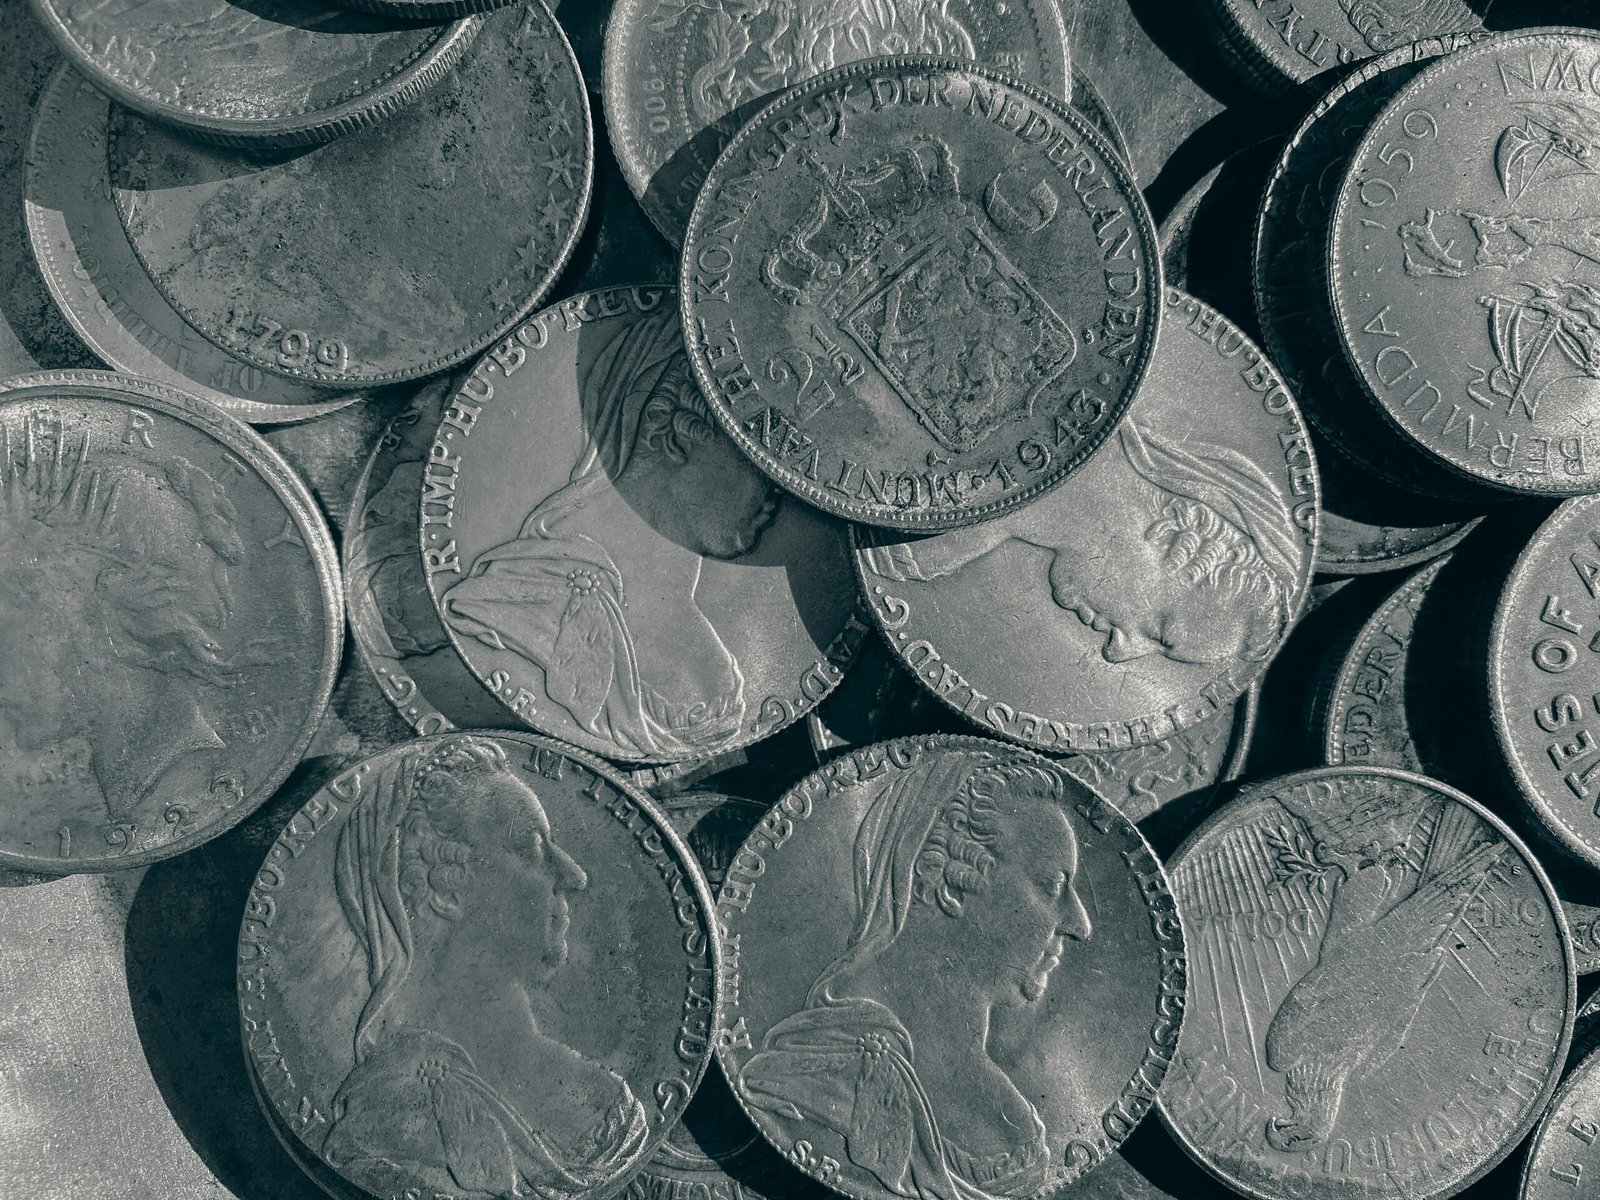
(1152, 296)
(1581, 1073)
(1508, 1145)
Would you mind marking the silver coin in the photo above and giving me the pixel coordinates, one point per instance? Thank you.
(410, 1037)
(99, 286)
(642, 592)
(682, 76)
(1146, 593)
(171, 651)
(1382, 991)
(950, 970)
(1563, 1157)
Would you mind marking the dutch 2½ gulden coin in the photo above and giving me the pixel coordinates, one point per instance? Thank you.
(171, 630)
(951, 971)
(681, 76)
(393, 253)
(1464, 270)
(1383, 989)
(1147, 592)
(641, 591)
(478, 964)
(918, 295)
(291, 73)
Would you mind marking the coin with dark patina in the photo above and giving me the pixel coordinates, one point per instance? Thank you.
(1382, 989)
(1464, 275)
(1564, 1154)
(292, 73)
(430, 10)
(1278, 44)
(950, 969)
(172, 630)
(391, 254)
(478, 964)
(642, 591)
(918, 295)
(97, 282)
(1544, 676)
(1367, 525)
(682, 76)
(1147, 593)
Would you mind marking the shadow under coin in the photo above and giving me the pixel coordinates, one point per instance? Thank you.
(181, 938)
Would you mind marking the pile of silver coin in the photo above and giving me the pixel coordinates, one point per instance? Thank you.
(760, 599)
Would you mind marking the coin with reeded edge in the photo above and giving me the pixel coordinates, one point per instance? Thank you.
(642, 592)
(1382, 989)
(173, 636)
(294, 73)
(1466, 290)
(1278, 44)
(950, 969)
(1563, 1155)
(682, 77)
(393, 253)
(483, 961)
(97, 282)
(919, 295)
(1144, 595)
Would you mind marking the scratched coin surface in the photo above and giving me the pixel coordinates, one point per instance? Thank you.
(1382, 989)
(478, 965)
(460, 212)
(1279, 44)
(172, 634)
(291, 73)
(1147, 593)
(1564, 1154)
(97, 283)
(682, 76)
(950, 969)
(918, 295)
(1544, 676)
(642, 591)
(1464, 273)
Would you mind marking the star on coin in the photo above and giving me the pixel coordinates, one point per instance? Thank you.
(560, 167)
(503, 294)
(528, 254)
(551, 217)
(560, 117)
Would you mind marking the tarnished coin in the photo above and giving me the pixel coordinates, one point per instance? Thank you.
(682, 76)
(894, 1018)
(1382, 989)
(173, 633)
(1200, 237)
(391, 254)
(1368, 525)
(392, 620)
(917, 295)
(478, 964)
(292, 73)
(1145, 595)
(1279, 44)
(1289, 276)
(1564, 1154)
(642, 592)
(431, 10)
(1465, 286)
(98, 284)
(1544, 676)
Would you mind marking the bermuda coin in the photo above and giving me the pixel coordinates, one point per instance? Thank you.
(1147, 593)
(99, 286)
(1382, 994)
(917, 295)
(1544, 676)
(172, 641)
(952, 970)
(1289, 273)
(604, 558)
(1563, 1157)
(1464, 286)
(417, 1040)
(293, 73)
(682, 76)
(390, 254)
(1279, 44)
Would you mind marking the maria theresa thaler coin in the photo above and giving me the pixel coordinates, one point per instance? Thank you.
(919, 294)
